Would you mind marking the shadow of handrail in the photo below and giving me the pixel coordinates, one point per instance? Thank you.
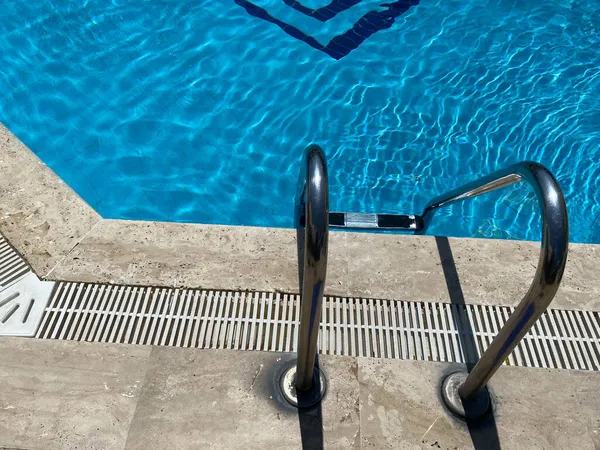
(311, 422)
(483, 431)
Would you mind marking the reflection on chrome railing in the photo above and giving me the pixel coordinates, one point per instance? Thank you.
(464, 393)
(316, 235)
(553, 257)
(304, 385)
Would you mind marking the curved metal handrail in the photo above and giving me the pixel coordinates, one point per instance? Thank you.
(550, 269)
(313, 198)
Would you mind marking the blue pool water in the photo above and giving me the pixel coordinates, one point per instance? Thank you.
(198, 111)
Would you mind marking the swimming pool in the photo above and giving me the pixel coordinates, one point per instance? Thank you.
(199, 111)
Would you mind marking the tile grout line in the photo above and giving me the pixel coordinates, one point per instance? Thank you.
(358, 372)
(137, 401)
(44, 277)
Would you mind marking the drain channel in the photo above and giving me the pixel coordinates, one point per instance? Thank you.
(350, 326)
(12, 265)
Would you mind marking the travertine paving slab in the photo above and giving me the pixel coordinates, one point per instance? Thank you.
(194, 255)
(67, 395)
(227, 399)
(414, 268)
(535, 408)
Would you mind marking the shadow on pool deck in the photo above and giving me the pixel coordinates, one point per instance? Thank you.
(311, 424)
(483, 432)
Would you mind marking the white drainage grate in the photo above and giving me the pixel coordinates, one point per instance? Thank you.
(22, 306)
(350, 326)
(12, 265)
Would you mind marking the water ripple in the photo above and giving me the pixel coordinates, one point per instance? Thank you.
(197, 111)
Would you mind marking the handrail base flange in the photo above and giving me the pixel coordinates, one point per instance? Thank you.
(466, 409)
(302, 399)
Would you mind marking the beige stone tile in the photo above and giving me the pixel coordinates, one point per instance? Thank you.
(493, 272)
(490, 271)
(410, 268)
(544, 407)
(394, 267)
(594, 429)
(399, 404)
(580, 288)
(61, 395)
(193, 255)
(400, 408)
(228, 399)
(40, 215)
(66, 395)
(588, 395)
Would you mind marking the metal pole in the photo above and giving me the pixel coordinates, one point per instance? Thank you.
(550, 269)
(316, 213)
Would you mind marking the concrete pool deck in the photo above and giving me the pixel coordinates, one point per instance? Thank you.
(63, 238)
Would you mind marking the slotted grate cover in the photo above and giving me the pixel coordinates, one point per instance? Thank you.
(22, 306)
(350, 326)
(12, 265)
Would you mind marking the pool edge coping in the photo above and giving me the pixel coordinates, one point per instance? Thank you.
(64, 239)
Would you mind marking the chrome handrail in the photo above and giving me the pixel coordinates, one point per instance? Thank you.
(312, 201)
(550, 269)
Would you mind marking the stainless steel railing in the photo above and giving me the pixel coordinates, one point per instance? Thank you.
(550, 269)
(312, 203)
(312, 212)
